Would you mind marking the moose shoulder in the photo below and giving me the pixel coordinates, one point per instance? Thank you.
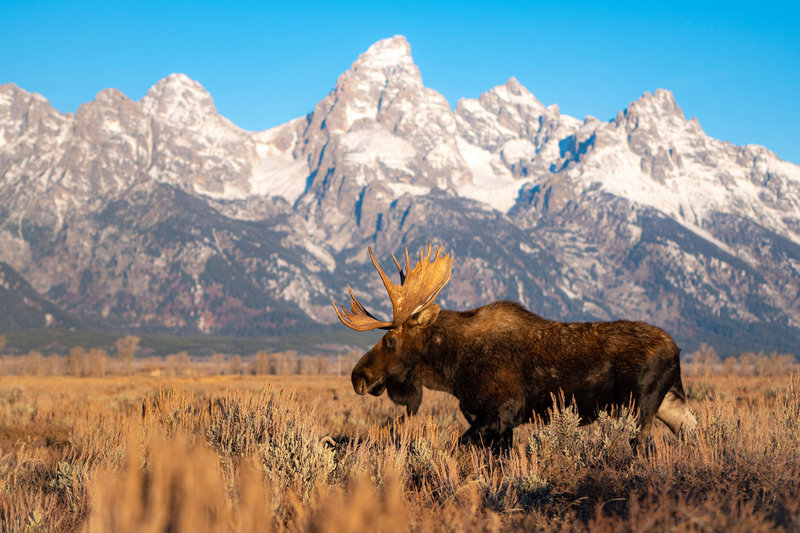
(504, 363)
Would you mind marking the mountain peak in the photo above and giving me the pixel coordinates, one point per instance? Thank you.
(250, 232)
(179, 99)
(110, 96)
(660, 103)
(374, 80)
(514, 86)
(9, 91)
(386, 53)
(514, 93)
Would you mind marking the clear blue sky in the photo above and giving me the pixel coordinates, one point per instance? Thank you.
(735, 66)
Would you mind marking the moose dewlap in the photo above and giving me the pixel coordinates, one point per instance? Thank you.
(504, 363)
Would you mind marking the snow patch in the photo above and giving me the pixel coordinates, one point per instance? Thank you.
(355, 112)
(112, 126)
(518, 149)
(378, 145)
(492, 182)
(593, 309)
(278, 174)
(443, 156)
(706, 179)
(399, 189)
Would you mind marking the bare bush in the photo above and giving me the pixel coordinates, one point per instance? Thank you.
(79, 362)
(235, 364)
(280, 363)
(126, 351)
(705, 360)
(178, 364)
(746, 362)
(774, 364)
(75, 363)
(314, 366)
(215, 364)
(96, 362)
(33, 364)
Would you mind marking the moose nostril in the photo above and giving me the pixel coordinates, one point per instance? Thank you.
(360, 387)
(361, 378)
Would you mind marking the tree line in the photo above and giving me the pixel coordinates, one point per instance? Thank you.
(97, 362)
(706, 361)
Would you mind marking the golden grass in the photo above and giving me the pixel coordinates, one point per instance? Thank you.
(304, 453)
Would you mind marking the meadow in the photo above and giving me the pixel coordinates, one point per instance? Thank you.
(195, 452)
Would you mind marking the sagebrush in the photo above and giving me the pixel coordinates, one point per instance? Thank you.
(307, 454)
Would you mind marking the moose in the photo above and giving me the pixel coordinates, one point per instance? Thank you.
(505, 364)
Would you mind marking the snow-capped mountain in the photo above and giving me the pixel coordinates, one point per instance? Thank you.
(163, 214)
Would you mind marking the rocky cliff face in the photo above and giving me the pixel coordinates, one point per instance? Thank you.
(161, 214)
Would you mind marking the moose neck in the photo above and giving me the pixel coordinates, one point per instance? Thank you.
(437, 361)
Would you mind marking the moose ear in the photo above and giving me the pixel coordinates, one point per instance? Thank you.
(426, 317)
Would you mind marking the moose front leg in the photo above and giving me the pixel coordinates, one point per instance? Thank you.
(507, 440)
(493, 427)
(408, 393)
(489, 431)
(469, 417)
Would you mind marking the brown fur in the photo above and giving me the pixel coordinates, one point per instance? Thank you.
(504, 363)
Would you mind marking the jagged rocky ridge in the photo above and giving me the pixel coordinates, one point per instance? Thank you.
(161, 215)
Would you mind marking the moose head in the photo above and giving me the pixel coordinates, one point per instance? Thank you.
(394, 356)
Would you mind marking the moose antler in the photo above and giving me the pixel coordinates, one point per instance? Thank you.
(418, 288)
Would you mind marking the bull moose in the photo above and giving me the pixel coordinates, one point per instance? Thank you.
(504, 363)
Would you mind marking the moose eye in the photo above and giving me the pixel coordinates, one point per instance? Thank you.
(390, 343)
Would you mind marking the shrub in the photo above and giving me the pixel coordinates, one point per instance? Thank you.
(605, 441)
(701, 389)
(516, 492)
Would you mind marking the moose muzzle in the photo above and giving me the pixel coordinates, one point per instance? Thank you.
(364, 381)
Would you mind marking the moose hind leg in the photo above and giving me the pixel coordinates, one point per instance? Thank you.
(674, 413)
(643, 440)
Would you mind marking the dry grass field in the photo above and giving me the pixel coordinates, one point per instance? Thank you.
(304, 453)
